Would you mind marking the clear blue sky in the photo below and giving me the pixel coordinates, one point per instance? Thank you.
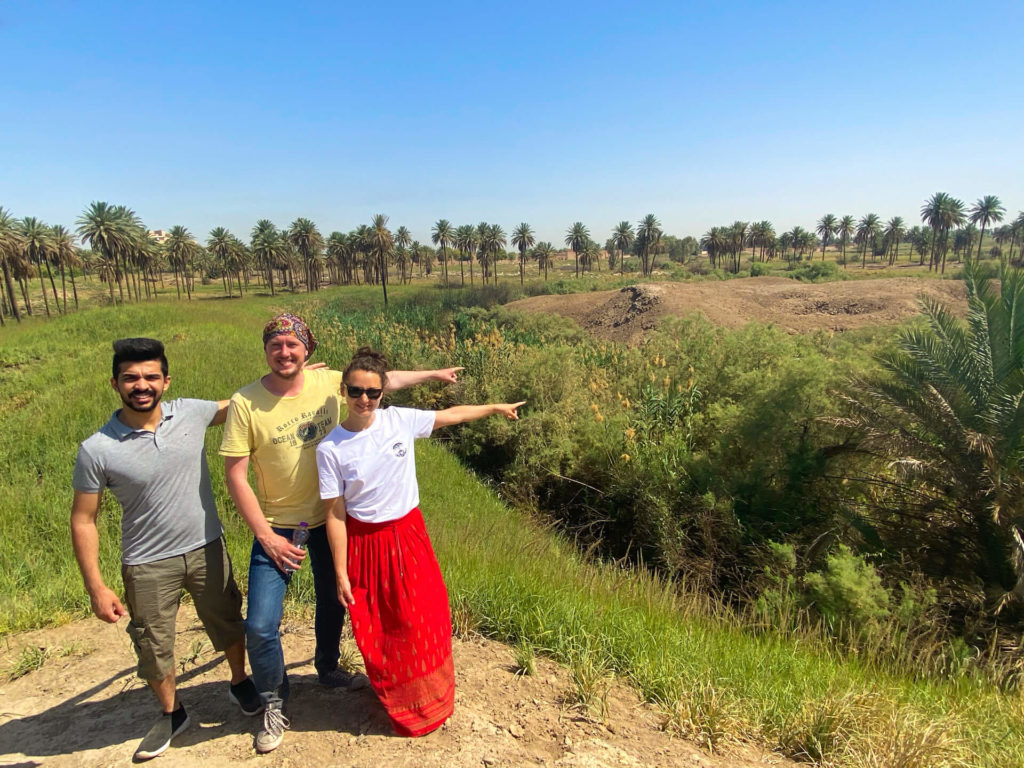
(221, 113)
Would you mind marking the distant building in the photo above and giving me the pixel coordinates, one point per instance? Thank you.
(160, 235)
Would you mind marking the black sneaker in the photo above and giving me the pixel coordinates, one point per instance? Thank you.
(245, 695)
(159, 737)
(339, 678)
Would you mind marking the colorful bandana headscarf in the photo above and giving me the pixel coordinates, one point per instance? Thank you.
(288, 324)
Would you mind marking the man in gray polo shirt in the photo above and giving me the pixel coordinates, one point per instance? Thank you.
(152, 457)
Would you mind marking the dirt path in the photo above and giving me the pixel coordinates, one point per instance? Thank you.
(85, 707)
(625, 315)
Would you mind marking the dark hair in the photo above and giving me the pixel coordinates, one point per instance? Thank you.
(366, 359)
(138, 350)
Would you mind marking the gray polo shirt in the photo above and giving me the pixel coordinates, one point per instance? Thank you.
(161, 479)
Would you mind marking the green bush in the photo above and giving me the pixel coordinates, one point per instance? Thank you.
(816, 272)
(848, 593)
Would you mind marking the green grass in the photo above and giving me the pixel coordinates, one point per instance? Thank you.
(508, 576)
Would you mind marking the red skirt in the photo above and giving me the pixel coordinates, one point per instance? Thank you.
(401, 621)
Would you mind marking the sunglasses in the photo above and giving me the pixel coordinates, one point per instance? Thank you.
(356, 392)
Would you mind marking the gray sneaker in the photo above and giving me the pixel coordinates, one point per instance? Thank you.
(274, 726)
(159, 737)
(339, 678)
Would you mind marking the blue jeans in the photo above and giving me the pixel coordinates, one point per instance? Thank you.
(267, 584)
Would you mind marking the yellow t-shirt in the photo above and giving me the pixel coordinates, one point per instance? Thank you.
(280, 435)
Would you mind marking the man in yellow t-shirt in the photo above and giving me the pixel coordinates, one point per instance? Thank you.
(276, 423)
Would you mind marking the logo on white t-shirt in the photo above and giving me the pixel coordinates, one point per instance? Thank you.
(398, 449)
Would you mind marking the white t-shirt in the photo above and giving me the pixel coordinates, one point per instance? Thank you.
(375, 469)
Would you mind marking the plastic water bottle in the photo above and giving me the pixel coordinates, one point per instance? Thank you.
(300, 536)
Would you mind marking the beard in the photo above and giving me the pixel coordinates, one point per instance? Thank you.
(132, 406)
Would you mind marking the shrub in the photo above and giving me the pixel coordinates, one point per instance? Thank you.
(848, 593)
(816, 272)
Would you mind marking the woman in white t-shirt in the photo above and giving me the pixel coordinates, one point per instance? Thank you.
(387, 572)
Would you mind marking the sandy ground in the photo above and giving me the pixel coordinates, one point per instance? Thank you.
(85, 707)
(625, 315)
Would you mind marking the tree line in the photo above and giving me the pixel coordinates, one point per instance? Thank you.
(948, 225)
(123, 255)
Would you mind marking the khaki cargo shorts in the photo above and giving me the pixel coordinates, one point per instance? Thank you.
(153, 594)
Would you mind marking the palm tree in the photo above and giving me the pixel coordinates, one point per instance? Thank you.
(308, 241)
(576, 238)
(622, 238)
(130, 256)
(827, 227)
(66, 254)
(894, 232)
(403, 239)
(443, 235)
(181, 253)
(269, 248)
(762, 235)
(492, 243)
(108, 230)
(987, 210)
(1016, 229)
(35, 239)
(715, 243)
(591, 253)
(867, 229)
(953, 215)
(10, 247)
(522, 238)
(845, 230)
(381, 242)
(221, 243)
(545, 254)
(947, 417)
(941, 212)
(648, 236)
(467, 240)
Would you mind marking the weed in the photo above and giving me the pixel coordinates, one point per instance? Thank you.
(819, 731)
(905, 740)
(196, 650)
(591, 680)
(465, 621)
(701, 714)
(524, 658)
(31, 658)
(349, 658)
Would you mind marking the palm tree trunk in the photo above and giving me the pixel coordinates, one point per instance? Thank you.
(53, 286)
(42, 285)
(10, 289)
(25, 295)
(980, 238)
(117, 273)
(63, 285)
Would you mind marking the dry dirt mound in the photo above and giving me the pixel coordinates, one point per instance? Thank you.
(626, 315)
(85, 707)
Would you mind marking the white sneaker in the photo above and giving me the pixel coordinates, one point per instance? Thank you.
(274, 726)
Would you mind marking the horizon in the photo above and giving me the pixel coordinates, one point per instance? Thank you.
(547, 114)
